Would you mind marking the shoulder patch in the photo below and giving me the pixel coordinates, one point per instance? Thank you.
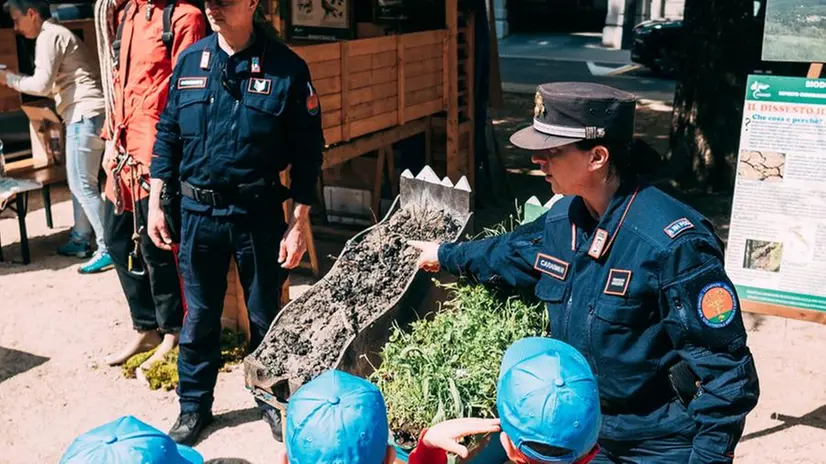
(554, 267)
(312, 100)
(677, 227)
(716, 305)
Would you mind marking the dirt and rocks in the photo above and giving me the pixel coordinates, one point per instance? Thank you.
(308, 337)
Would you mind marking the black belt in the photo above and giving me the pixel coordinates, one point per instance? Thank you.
(205, 196)
(247, 195)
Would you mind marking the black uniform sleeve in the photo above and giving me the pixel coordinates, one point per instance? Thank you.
(166, 153)
(304, 135)
(506, 258)
(704, 321)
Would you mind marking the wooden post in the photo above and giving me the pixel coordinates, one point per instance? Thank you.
(376, 200)
(345, 91)
(470, 72)
(496, 99)
(400, 44)
(455, 164)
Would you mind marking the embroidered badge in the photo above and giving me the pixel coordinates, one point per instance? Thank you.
(552, 266)
(618, 280)
(260, 86)
(538, 106)
(598, 243)
(677, 227)
(312, 101)
(205, 59)
(186, 83)
(255, 66)
(716, 305)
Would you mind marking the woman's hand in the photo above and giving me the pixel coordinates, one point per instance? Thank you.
(429, 259)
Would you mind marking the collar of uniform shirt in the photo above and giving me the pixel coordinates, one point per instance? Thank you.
(239, 63)
(610, 220)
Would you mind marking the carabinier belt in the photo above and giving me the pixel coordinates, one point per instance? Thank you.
(244, 195)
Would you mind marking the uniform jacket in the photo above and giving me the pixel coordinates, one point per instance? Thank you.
(141, 81)
(636, 292)
(241, 119)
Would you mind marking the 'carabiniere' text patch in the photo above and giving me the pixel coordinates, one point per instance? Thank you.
(185, 83)
(554, 267)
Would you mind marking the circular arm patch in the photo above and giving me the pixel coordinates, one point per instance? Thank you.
(717, 305)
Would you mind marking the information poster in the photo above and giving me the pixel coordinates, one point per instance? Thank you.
(776, 250)
(320, 19)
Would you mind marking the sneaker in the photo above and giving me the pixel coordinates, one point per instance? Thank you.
(99, 263)
(76, 249)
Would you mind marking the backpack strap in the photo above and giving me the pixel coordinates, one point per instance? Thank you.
(119, 34)
(168, 35)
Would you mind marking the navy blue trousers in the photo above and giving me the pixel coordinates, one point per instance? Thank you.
(207, 243)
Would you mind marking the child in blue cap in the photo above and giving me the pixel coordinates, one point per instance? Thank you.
(128, 441)
(548, 406)
(547, 400)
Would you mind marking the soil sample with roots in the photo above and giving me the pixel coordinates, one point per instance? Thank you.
(310, 335)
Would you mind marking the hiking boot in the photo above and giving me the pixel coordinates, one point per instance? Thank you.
(100, 262)
(189, 426)
(75, 248)
(273, 417)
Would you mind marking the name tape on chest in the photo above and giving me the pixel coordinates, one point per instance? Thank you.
(716, 305)
(598, 244)
(677, 227)
(187, 83)
(260, 86)
(554, 267)
(617, 283)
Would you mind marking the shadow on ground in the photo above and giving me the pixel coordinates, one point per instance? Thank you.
(13, 362)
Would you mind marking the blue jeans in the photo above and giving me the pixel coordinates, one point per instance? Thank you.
(84, 151)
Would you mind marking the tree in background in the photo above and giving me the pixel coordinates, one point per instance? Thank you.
(721, 46)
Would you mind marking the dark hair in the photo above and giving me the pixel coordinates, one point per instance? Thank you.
(23, 6)
(629, 159)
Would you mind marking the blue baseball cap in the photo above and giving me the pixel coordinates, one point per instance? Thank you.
(128, 441)
(337, 418)
(547, 395)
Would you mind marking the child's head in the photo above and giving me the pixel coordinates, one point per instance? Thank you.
(548, 403)
(128, 440)
(337, 417)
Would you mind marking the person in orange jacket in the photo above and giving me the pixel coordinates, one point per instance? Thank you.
(547, 400)
(139, 44)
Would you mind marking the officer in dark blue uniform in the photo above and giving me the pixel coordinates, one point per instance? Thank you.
(632, 278)
(241, 109)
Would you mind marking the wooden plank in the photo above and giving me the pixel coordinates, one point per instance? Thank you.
(368, 94)
(469, 70)
(423, 81)
(336, 155)
(316, 53)
(323, 69)
(330, 119)
(376, 194)
(445, 73)
(331, 102)
(372, 46)
(423, 109)
(429, 65)
(332, 135)
(9, 98)
(417, 39)
(362, 79)
(424, 52)
(783, 311)
(424, 95)
(328, 86)
(378, 122)
(455, 163)
(345, 94)
(370, 109)
(401, 78)
(375, 61)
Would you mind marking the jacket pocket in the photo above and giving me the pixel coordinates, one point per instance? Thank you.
(627, 343)
(193, 111)
(263, 115)
(553, 293)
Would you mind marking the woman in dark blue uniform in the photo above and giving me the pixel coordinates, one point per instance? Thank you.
(241, 109)
(632, 278)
